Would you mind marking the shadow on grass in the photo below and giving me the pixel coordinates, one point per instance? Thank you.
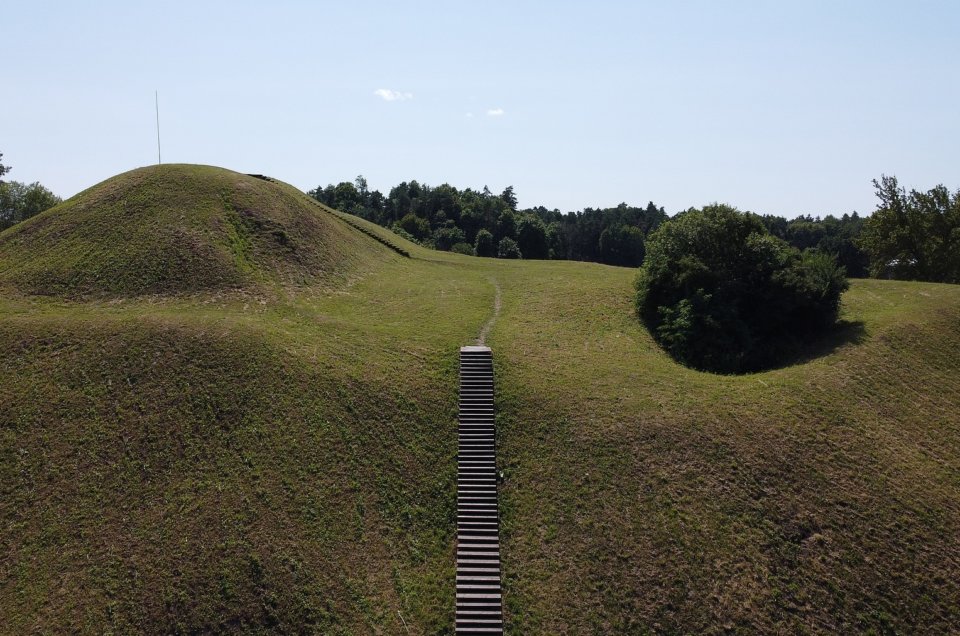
(844, 332)
(799, 351)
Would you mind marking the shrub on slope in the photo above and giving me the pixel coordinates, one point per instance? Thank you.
(720, 293)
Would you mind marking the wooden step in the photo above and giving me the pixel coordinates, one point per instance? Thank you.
(479, 608)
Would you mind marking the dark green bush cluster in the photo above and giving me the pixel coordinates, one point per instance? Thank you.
(462, 248)
(507, 248)
(721, 294)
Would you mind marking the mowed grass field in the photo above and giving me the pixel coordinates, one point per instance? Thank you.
(641, 496)
(273, 450)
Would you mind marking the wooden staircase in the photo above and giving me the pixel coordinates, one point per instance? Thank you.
(479, 598)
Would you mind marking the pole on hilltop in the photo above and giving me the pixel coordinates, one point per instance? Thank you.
(156, 103)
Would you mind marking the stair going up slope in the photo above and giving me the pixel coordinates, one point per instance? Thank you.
(479, 608)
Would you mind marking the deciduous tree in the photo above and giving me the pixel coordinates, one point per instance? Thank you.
(507, 248)
(19, 201)
(415, 226)
(3, 169)
(914, 235)
(532, 238)
(484, 245)
(720, 293)
(621, 245)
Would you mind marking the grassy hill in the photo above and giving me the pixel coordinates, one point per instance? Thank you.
(175, 229)
(643, 496)
(268, 445)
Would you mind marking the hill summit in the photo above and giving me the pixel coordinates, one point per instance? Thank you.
(178, 229)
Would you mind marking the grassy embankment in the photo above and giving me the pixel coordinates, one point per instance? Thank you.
(641, 496)
(223, 409)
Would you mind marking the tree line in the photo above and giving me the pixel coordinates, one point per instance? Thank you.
(481, 223)
(911, 235)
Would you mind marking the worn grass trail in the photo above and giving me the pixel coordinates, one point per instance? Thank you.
(487, 326)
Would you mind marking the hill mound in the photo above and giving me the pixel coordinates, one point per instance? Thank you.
(178, 465)
(180, 228)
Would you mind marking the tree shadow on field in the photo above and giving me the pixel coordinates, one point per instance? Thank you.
(844, 332)
(786, 350)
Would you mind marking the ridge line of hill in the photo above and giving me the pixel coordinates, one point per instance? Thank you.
(343, 216)
(181, 228)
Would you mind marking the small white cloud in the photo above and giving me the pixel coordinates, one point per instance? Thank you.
(392, 96)
(469, 115)
(495, 112)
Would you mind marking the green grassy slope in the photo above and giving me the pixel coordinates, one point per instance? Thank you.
(641, 496)
(183, 465)
(280, 458)
(179, 228)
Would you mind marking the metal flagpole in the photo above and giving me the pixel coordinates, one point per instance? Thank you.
(156, 103)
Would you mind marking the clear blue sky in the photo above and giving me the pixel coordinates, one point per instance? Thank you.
(772, 107)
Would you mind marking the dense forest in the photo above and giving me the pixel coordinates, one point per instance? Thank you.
(486, 224)
(481, 223)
